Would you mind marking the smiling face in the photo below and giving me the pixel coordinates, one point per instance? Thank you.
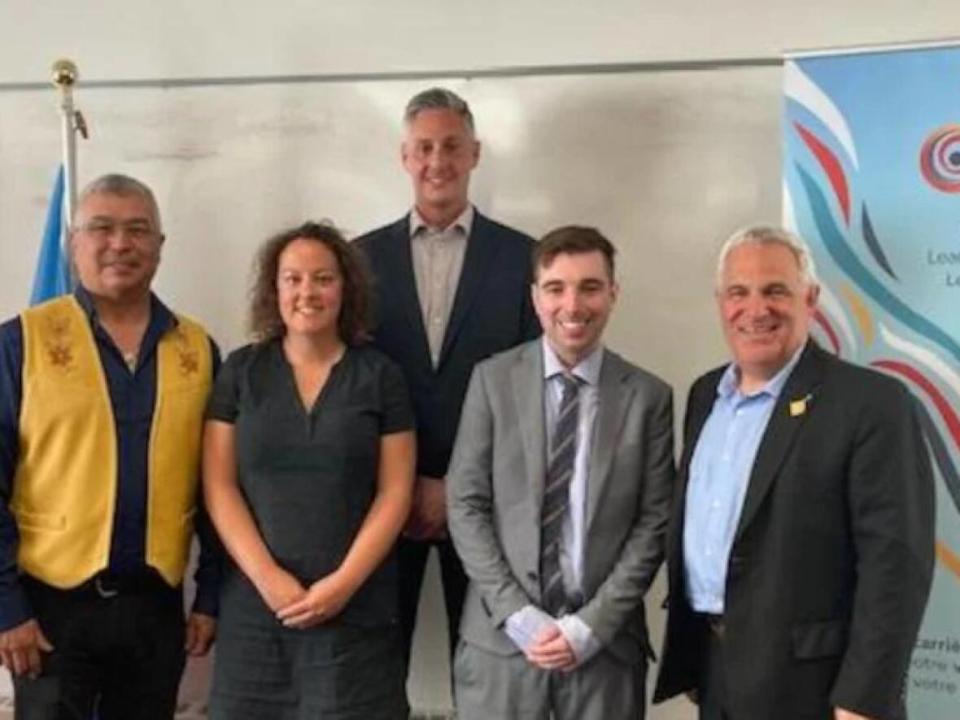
(115, 246)
(573, 297)
(309, 288)
(765, 308)
(439, 152)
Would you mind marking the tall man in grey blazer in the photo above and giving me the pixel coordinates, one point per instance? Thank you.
(558, 495)
(801, 545)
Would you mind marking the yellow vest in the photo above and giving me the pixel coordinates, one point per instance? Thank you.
(65, 486)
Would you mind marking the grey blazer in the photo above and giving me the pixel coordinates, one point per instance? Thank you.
(495, 489)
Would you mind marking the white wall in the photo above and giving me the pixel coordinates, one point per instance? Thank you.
(666, 163)
(190, 38)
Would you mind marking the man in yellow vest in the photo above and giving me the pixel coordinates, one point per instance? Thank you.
(102, 395)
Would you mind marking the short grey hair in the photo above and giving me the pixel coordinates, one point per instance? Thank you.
(123, 185)
(438, 98)
(769, 235)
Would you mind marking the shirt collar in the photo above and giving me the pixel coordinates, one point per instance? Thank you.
(729, 381)
(587, 370)
(160, 315)
(464, 221)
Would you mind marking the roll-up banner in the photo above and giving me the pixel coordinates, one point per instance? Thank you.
(871, 180)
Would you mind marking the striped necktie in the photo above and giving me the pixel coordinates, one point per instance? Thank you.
(556, 496)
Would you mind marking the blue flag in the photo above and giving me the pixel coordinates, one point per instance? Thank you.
(52, 277)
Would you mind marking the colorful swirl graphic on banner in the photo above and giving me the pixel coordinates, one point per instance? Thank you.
(873, 244)
(836, 326)
(846, 260)
(831, 199)
(940, 159)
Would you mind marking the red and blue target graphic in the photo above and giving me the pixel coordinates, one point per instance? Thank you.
(940, 159)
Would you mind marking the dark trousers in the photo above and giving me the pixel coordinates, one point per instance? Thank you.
(712, 683)
(115, 658)
(714, 691)
(412, 559)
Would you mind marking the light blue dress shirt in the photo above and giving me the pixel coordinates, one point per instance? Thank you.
(523, 626)
(719, 474)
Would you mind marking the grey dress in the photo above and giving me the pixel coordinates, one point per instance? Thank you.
(309, 479)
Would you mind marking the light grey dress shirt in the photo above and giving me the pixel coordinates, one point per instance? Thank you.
(437, 262)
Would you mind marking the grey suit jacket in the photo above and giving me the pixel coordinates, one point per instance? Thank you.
(495, 490)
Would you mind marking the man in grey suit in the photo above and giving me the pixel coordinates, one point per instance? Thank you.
(558, 495)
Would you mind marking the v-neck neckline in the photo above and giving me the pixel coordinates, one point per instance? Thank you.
(308, 413)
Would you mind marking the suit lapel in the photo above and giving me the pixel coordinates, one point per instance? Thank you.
(476, 262)
(782, 431)
(527, 379)
(402, 284)
(613, 401)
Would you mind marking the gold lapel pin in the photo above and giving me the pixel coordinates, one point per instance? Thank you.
(799, 407)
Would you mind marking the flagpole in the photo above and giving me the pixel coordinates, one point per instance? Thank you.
(65, 76)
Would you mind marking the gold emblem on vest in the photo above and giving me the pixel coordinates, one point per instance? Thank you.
(189, 360)
(58, 346)
(60, 355)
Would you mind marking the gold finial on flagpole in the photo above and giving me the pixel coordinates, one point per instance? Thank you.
(64, 73)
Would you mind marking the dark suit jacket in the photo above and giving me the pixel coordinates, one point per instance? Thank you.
(833, 556)
(491, 312)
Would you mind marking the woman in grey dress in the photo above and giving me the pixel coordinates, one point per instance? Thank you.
(308, 472)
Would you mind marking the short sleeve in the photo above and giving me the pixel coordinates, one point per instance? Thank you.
(224, 400)
(396, 411)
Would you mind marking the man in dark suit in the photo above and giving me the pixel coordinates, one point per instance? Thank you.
(452, 288)
(559, 495)
(801, 545)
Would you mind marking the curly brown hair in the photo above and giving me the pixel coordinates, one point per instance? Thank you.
(353, 323)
